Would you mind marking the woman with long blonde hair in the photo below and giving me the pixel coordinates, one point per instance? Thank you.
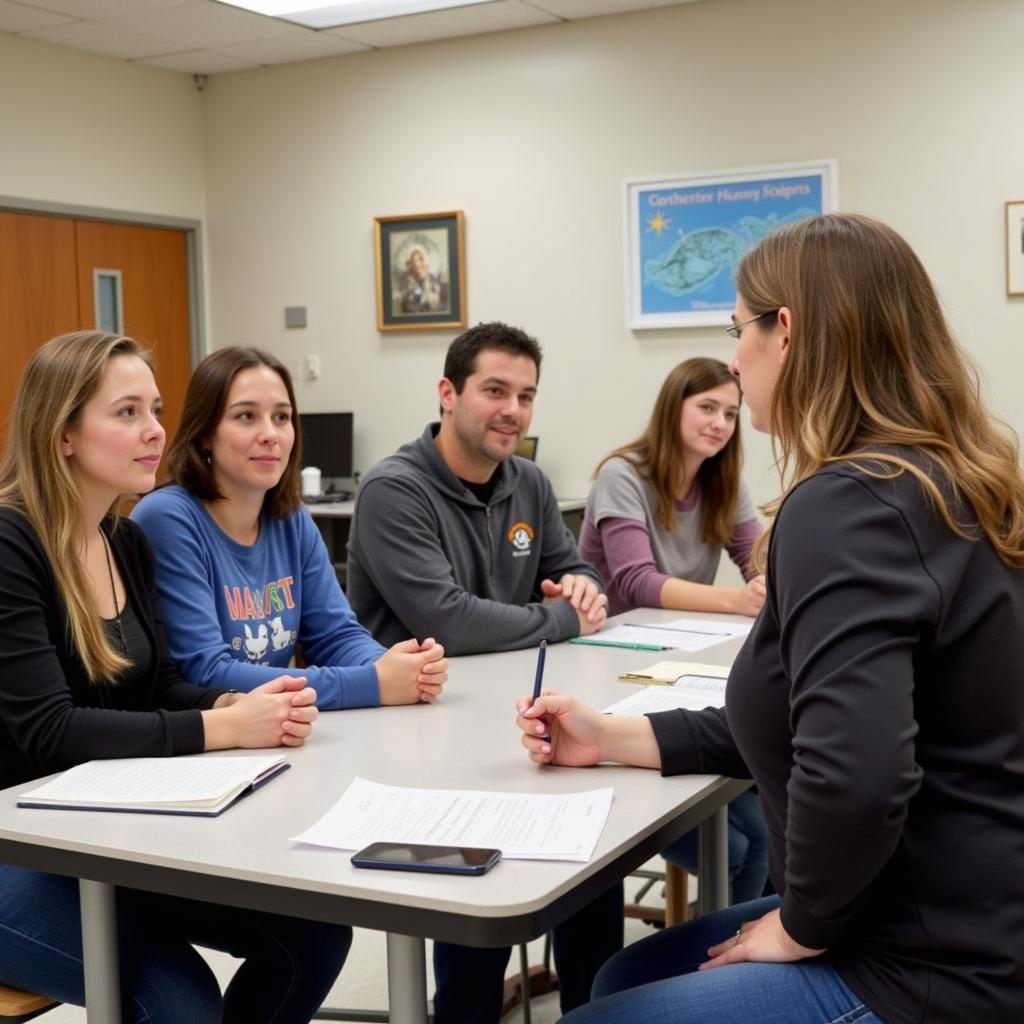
(85, 673)
(877, 700)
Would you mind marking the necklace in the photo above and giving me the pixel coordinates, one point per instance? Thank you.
(113, 594)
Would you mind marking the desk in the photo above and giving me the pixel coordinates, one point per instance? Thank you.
(334, 520)
(468, 739)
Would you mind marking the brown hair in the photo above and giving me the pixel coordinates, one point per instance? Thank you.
(61, 376)
(658, 453)
(871, 364)
(188, 459)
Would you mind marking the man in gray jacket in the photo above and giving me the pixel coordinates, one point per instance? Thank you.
(455, 538)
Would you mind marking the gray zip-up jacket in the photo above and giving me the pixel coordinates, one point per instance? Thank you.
(427, 558)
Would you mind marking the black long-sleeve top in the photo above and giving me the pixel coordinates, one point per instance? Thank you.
(51, 716)
(879, 705)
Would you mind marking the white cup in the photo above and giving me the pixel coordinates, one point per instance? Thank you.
(310, 482)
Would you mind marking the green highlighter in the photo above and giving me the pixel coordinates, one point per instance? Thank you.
(616, 643)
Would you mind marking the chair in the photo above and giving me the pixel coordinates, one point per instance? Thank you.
(17, 1006)
(676, 909)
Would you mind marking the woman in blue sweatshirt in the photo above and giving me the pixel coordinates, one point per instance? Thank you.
(242, 572)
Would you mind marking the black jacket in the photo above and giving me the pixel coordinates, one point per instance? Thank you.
(878, 703)
(51, 716)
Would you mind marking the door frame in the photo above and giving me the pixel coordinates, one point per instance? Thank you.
(193, 250)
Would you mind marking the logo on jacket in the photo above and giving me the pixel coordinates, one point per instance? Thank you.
(521, 536)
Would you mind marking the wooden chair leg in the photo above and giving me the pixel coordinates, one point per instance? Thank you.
(676, 885)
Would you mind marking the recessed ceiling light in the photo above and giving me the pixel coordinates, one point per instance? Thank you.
(332, 13)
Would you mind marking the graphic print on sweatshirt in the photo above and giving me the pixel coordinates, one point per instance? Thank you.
(268, 616)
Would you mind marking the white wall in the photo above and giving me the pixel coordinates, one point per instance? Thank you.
(86, 130)
(530, 133)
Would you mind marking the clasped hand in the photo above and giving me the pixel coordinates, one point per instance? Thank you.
(411, 672)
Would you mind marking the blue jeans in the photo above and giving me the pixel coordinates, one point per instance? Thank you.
(470, 980)
(289, 965)
(748, 848)
(655, 981)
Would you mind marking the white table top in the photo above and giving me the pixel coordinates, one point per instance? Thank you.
(467, 740)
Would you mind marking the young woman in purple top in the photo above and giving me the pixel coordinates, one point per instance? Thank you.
(663, 507)
(658, 516)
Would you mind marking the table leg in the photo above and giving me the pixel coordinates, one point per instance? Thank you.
(407, 979)
(99, 948)
(713, 863)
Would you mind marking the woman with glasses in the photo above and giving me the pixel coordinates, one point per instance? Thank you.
(85, 674)
(877, 700)
(662, 508)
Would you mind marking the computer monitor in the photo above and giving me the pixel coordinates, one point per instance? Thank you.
(527, 448)
(327, 442)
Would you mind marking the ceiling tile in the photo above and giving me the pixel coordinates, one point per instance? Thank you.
(203, 25)
(200, 62)
(461, 21)
(102, 37)
(596, 8)
(280, 51)
(19, 18)
(91, 9)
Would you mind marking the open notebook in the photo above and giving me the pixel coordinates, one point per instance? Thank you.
(204, 786)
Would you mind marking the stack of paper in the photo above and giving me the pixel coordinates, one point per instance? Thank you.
(689, 690)
(665, 673)
(679, 634)
(524, 826)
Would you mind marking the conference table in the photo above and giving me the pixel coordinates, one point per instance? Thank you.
(466, 740)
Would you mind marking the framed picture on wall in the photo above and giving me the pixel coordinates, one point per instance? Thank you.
(421, 271)
(1015, 247)
(685, 233)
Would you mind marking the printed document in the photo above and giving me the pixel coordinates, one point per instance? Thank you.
(679, 634)
(667, 672)
(524, 826)
(689, 691)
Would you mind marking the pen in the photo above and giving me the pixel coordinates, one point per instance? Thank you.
(618, 643)
(538, 679)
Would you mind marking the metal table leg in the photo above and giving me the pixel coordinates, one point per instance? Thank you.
(99, 948)
(713, 862)
(407, 979)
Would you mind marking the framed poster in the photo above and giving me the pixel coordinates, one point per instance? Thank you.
(685, 233)
(1015, 247)
(421, 271)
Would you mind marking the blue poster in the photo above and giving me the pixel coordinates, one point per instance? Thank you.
(688, 235)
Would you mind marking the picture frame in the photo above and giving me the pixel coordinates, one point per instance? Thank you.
(1015, 247)
(685, 233)
(421, 271)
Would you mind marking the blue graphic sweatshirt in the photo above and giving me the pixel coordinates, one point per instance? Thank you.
(234, 612)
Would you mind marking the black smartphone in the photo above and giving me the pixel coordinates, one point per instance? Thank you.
(446, 860)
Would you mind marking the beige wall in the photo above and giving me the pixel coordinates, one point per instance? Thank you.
(531, 132)
(86, 130)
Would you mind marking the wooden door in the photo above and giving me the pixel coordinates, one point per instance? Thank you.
(38, 293)
(154, 279)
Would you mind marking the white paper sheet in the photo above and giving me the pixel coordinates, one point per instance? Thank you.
(689, 691)
(706, 628)
(524, 826)
(654, 638)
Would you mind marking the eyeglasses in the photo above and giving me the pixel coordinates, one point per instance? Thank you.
(734, 331)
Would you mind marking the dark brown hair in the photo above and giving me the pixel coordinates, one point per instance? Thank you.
(188, 459)
(658, 453)
(872, 366)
